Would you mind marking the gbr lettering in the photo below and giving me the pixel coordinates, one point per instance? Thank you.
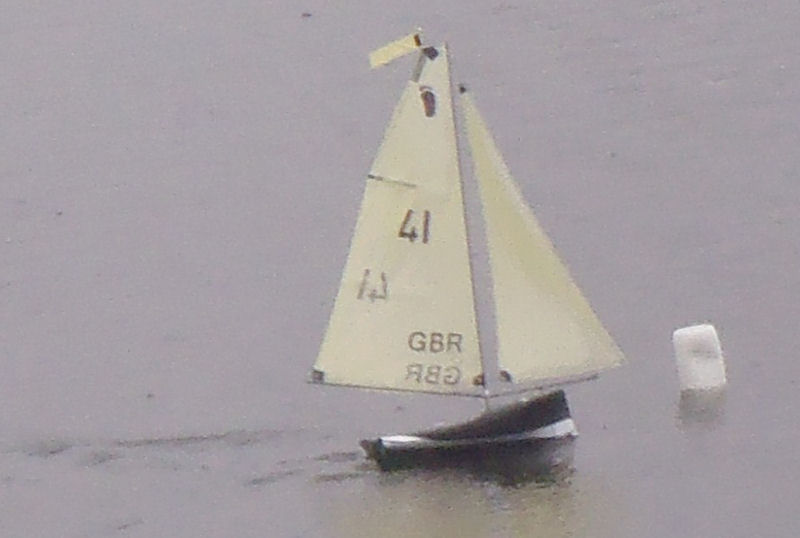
(435, 342)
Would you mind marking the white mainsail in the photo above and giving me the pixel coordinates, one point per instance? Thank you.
(547, 332)
(404, 316)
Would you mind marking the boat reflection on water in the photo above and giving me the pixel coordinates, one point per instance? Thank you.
(539, 461)
(521, 496)
(701, 408)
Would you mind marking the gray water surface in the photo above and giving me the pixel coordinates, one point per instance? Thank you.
(178, 185)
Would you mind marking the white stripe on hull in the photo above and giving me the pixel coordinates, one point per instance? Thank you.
(557, 430)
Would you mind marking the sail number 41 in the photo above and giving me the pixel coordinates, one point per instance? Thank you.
(408, 229)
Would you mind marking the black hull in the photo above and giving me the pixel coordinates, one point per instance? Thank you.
(518, 459)
(525, 440)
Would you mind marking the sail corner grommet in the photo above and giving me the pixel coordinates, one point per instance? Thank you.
(317, 376)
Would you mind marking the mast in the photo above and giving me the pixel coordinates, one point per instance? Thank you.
(470, 249)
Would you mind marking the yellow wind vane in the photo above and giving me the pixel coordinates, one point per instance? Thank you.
(396, 49)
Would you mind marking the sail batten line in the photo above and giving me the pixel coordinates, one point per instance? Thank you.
(392, 181)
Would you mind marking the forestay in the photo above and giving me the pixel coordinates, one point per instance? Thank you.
(546, 330)
(404, 316)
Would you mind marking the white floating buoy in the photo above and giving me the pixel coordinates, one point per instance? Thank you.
(698, 355)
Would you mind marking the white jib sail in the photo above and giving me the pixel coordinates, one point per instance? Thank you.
(546, 329)
(404, 317)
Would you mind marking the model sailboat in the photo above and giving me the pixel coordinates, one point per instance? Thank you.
(405, 314)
